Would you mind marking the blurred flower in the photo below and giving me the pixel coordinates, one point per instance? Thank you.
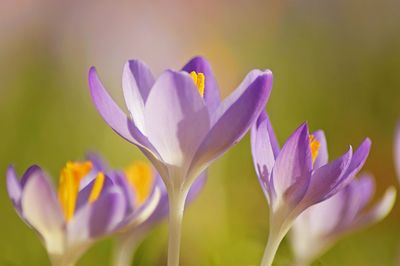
(397, 150)
(297, 176)
(320, 226)
(180, 124)
(89, 205)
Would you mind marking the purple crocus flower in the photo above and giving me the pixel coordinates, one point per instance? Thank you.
(179, 122)
(88, 206)
(321, 225)
(297, 176)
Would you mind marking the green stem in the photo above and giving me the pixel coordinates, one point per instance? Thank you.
(176, 207)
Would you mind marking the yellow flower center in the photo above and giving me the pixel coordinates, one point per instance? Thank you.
(141, 179)
(314, 147)
(199, 81)
(68, 189)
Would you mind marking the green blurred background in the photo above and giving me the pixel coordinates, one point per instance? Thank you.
(336, 64)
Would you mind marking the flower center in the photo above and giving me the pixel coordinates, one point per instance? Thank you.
(141, 179)
(68, 189)
(199, 81)
(314, 147)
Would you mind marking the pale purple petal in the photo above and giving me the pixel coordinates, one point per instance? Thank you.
(84, 193)
(379, 211)
(366, 189)
(237, 114)
(98, 163)
(40, 206)
(99, 218)
(114, 116)
(14, 188)
(292, 169)
(136, 83)
(326, 180)
(358, 159)
(211, 91)
(263, 153)
(322, 157)
(176, 117)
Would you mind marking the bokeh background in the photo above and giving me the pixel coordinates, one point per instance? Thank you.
(336, 64)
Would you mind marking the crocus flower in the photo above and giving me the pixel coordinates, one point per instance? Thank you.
(87, 206)
(180, 124)
(321, 225)
(148, 196)
(297, 176)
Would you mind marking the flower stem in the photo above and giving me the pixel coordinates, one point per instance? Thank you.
(176, 207)
(125, 248)
(270, 250)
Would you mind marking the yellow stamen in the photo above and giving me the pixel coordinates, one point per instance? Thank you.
(314, 146)
(68, 188)
(97, 187)
(199, 81)
(140, 177)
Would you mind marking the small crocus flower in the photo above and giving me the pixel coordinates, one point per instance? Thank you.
(179, 122)
(87, 206)
(297, 176)
(321, 225)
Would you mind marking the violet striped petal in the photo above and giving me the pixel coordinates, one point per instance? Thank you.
(292, 169)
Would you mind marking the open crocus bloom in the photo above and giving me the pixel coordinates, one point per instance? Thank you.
(321, 225)
(299, 175)
(88, 206)
(178, 120)
(180, 124)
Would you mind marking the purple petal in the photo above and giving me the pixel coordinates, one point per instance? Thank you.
(211, 91)
(136, 82)
(176, 117)
(292, 169)
(365, 188)
(379, 211)
(322, 157)
(197, 187)
(326, 180)
(100, 217)
(84, 193)
(14, 188)
(40, 206)
(98, 163)
(263, 152)
(114, 116)
(236, 115)
(358, 159)
(397, 150)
